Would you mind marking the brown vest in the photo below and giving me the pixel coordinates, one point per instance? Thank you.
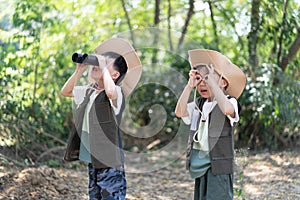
(103, 133)
(220, 139)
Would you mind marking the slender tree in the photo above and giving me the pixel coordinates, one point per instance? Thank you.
(169, 25)
(253, 36)
(210, 3)
(284, 60)
(156, 34)
(128, 21)
(190, 13)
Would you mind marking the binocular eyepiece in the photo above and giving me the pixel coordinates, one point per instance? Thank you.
(85, 59)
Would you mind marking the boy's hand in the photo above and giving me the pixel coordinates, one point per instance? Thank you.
(81, 68)
(211, 77)
(102, 62)
(194, 79)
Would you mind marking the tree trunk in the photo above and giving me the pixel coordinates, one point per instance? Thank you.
(157, 12)
(283, 25)
(128, 22)
(291, 53)
(156, 33)
(213, 23)
(253, 34)
(169, 25)
(186, 24)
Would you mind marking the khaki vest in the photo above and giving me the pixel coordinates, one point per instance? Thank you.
(220, 139)
(103, 133)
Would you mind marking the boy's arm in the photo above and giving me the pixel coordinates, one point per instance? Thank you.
(181, 107)
(223, 102)
(67, 89)
(108, 82)
(109, 85)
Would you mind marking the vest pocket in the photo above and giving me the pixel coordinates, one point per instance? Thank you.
(102, 113)
(221, 148)
(220, 132)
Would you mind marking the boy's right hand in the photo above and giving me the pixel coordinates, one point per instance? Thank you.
(194, 79)
(81, 68)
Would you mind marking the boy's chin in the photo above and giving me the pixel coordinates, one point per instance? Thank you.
(96, 79)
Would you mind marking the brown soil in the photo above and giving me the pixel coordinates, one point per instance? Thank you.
(257, 176)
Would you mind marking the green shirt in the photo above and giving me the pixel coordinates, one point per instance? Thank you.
(200, 163)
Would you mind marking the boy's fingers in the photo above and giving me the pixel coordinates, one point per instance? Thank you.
(198, 81)
(210, 67)
(102, 61)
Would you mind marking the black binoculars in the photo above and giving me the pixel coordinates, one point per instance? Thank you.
(85, 59)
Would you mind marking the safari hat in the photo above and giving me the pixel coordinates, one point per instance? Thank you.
(125, 49)
(233, 74)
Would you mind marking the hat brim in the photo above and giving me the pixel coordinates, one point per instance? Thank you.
(233, 74)
(125, 49)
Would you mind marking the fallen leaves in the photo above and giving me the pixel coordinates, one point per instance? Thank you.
(257, 176)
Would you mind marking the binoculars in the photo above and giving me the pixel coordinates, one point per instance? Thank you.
(85, 59)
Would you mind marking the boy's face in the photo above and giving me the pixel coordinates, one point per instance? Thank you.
(97, 72)
(202, 87)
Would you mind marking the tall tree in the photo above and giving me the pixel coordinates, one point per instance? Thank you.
(156, 33)
(169, 25)
(284, 59)
(128, 21)
(253, 35)
(186, 24)
(291, 52)
(210, 3)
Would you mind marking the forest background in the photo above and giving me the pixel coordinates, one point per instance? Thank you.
(38, 38)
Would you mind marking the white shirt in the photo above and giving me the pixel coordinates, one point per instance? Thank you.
(192, 106)
(79, 94)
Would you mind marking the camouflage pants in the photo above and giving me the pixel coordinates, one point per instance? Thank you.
(106, 184)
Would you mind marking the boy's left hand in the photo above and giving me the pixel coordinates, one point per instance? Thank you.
(211, 78)
(101, 61)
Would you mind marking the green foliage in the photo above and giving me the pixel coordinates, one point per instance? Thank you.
(269, 117)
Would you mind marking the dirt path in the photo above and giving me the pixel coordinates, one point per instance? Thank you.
(257, 176)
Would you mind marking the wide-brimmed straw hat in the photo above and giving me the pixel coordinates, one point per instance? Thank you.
(233, 74)
(125, 49)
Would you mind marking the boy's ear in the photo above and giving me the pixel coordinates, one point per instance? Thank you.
(116, 75)
(224, 83)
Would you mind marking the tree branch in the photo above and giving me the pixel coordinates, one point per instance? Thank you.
(156, 33)
(186, 24)
(128, 21)
(213, 22)
(292, 52)
(253, 36)
(157, 12)
(231, 22)
(49, 151)
(282, 31)
(169, 25)
(12, 160)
